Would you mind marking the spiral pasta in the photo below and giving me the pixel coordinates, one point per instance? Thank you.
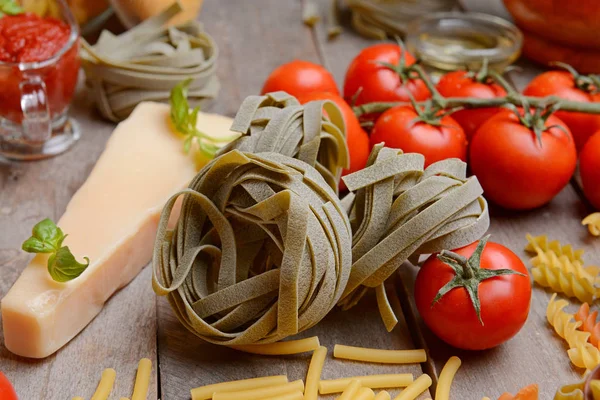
(564, 324)
(593, 223)
(565, 264)
(567, 283)
(588, 323)
(572, 391)
(542, 242)
(398, 211)
(585, 356)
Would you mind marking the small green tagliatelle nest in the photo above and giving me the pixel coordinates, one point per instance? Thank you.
(400, 211)
(261, 250)
(277, 122)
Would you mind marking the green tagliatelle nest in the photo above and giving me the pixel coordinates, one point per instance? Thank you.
(401, 211)
(261, 250)
(278, 123)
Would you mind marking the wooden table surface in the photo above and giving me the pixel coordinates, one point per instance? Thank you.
(255, 37)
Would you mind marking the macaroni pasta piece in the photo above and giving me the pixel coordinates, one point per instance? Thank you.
(364, 394)
(206, 392)
(313, 376)
(530, 392)
(589, 324)
(413, 390)
(593, 223)
(281, 348)
(350, 391)
(261, 393)
(383, 395)
(585, 356)
(370, 381)
(541, 242)
(442, 391)
(379, 356)
(573, 391)
(564, 324)
(567, 283)
(106, 384)
(297, 395)
(142, 380)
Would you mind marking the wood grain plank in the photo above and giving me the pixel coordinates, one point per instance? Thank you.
(125, 330)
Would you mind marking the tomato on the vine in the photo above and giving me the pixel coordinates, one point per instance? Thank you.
(367, 80)
(589, 168)
(7, 392)
(404, 128)
(565, 85)
(522, 167)
(299, 77)
(467, 84)
(476, 297)
(356, 138)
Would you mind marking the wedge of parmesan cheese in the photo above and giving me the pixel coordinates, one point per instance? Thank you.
(112, 219)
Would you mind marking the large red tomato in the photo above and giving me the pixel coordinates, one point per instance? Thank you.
(589, 167)
(7, 392)
(356, 137)
(503, 295)
(562, 84)
(514, 168)
(401, 128)
(378, 82)
(464, 84)
(299, 77)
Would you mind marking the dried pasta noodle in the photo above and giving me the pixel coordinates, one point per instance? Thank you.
(364, 394)
(595, 387)
(142, 380)
(593, 223)
(313, 376)
(282, 348)
(413, 390)
(370, 381)
(278, 123)
(446, 377)
(588, 323)
(568, 283)
(400, 211)
(261, 393)
(379, 356)
(206, 392)
(106, 384)
(564, 324)
(573, 391)
(383, 395)
(146, 62)
(261, 250)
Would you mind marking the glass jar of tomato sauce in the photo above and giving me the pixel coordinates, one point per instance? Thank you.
(39, 65)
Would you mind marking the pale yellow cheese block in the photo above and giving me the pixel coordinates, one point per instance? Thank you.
(112, 219)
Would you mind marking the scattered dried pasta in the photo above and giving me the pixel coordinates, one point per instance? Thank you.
(542, 242)
(261, 393)
(530, 392)
(313, 376)
(585, 356)
(413, 390)
(383, 395)
(282, 348)
(444, 384)
(593, 223)
(379, 356)
(371, 381)
(364, 394)
(142, 380)
(565, 264)
(573, 391)
(588, 323)
(262, 242)
(297, 395)
(564, 324)
(559, 281)
(351, 390)
(206, 392)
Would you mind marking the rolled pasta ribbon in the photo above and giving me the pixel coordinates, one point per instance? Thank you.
(400, 211)
(261, 250)
(146, 62)
(313, 133)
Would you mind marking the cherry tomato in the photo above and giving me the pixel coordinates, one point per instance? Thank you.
(462, 84)
(379, 83)
(562, 84)
(299, 77)
(589, 168)
(515, 170)
(356, 137)
(400, 128)
(7, 392)
(504, 300)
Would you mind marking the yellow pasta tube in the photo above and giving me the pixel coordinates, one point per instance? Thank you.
(77, 398)
(142, 380)
(364, 394)
(593, 223)
(260, 393)
(297, 395)
(370, 381)
(122, 398)
(383, 395)
(378, 355)
(281, 348)
(206, 392)
(486, 398)
(313, 376)
(106, 384)
(420, 385)
(350, 391)
(446, 377)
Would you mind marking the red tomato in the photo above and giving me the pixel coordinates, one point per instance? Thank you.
(562, 84)
(460, 84)
(299, 77)
(7, 392)
(504, 299)
(589, 168)
(516, 172)
(356, 137)
(379, 83)
(400, 128)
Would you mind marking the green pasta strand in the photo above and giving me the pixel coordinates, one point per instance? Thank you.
(261, 250)
(400, 211)
(146, 62)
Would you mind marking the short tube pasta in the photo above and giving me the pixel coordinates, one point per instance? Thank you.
(206, 392)
(106, 384)
(446, 377)
(370, 381)
(313, 376)
(261, 393)
(281, 348)
(413, 390)
(379, 356)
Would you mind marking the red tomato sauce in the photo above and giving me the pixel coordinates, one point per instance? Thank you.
(26, 38)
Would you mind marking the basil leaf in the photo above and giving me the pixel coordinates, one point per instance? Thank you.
(9, 7)
(34, 245)
(46, 238)
(63, 266)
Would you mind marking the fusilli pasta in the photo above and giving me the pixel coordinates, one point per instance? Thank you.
(544, 244)
(593, 223)
(565, 264)
(564, 324)
(572, 391)
(555, 278)
(588, 323)
(585, 356)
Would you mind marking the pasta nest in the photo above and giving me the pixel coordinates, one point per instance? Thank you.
(146, 62)
(261, 250)
(276, 122)
(400, 211)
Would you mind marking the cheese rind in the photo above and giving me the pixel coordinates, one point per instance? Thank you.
(112, 219)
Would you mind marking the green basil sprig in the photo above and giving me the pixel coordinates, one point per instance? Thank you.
(9, 7)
